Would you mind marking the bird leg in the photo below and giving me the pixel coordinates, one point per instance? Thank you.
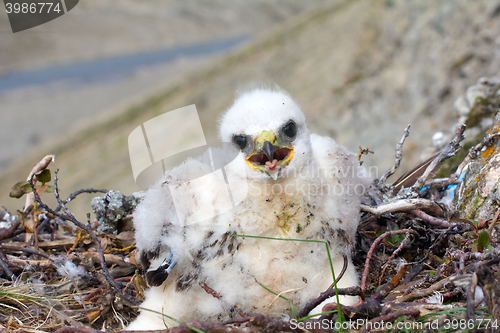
(155, 278)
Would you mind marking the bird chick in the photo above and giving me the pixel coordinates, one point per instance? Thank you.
(298, 186)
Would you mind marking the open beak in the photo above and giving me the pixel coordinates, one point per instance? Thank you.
(269, 156)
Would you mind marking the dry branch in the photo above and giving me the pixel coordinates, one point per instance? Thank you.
(433, 288)
(73, 195)
(403, 205)
(8, 232)
(399, 157)
(473, 152)
(372, 248)
(88, 228)
(449, 151)
(433, 220)
(389, 318)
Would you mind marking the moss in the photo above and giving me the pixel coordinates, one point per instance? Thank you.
(483, 108)
(474, 206)
(450, 165)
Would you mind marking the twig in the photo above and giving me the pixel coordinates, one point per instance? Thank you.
(56, 190)
(389, 286)
(8, 232)
(492, 225)
(438, 181)
(399, 157)
(40, 166)
(449, 151)
(478, 256)
(77, 193)
(403, 205)
(393, 255)
(488, 281)
(88, 228)
(372, 248)
(391, 317)
(215, 294)
(43, 263)
(256, 323)
(42, 225)
(433, 220)
(26, 249)
(31, 219)
(91, 233)
(98, 289)
(371, 307)
(79, 329)
(342, 272)
(352, 291)
(431, 289)
(473, 152)
(470, 297)
(210, 291)
(414, 272)
(5, 267)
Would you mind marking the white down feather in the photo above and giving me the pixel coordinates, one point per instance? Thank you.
(317, 196)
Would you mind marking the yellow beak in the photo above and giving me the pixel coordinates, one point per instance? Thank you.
(268, 155)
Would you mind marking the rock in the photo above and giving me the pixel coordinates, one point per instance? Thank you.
(7, 220)
(438, 140)
(478, 118)
(478, 197)
(112, 207)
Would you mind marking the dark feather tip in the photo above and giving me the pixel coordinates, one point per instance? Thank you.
(157, 277)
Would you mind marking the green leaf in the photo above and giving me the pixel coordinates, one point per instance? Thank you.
(483, 240)
(19, 189)
(26, 188)
(20, 185)
(16, 194)
(44, 176)
(447, 260)
(50, 189)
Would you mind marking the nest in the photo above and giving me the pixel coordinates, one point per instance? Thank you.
(423, 267)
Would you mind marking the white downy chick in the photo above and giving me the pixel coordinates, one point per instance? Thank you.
(294, 185)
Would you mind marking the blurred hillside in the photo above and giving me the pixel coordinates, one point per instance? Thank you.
(103, 28)
(361, 70)
(104, 55)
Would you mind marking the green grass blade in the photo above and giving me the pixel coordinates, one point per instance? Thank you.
(281, 296)
(340, 317)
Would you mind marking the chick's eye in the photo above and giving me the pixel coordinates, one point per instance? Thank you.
(241, 141)
(290, 129)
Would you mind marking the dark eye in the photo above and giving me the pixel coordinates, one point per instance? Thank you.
(241, 141)
(290, 129)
